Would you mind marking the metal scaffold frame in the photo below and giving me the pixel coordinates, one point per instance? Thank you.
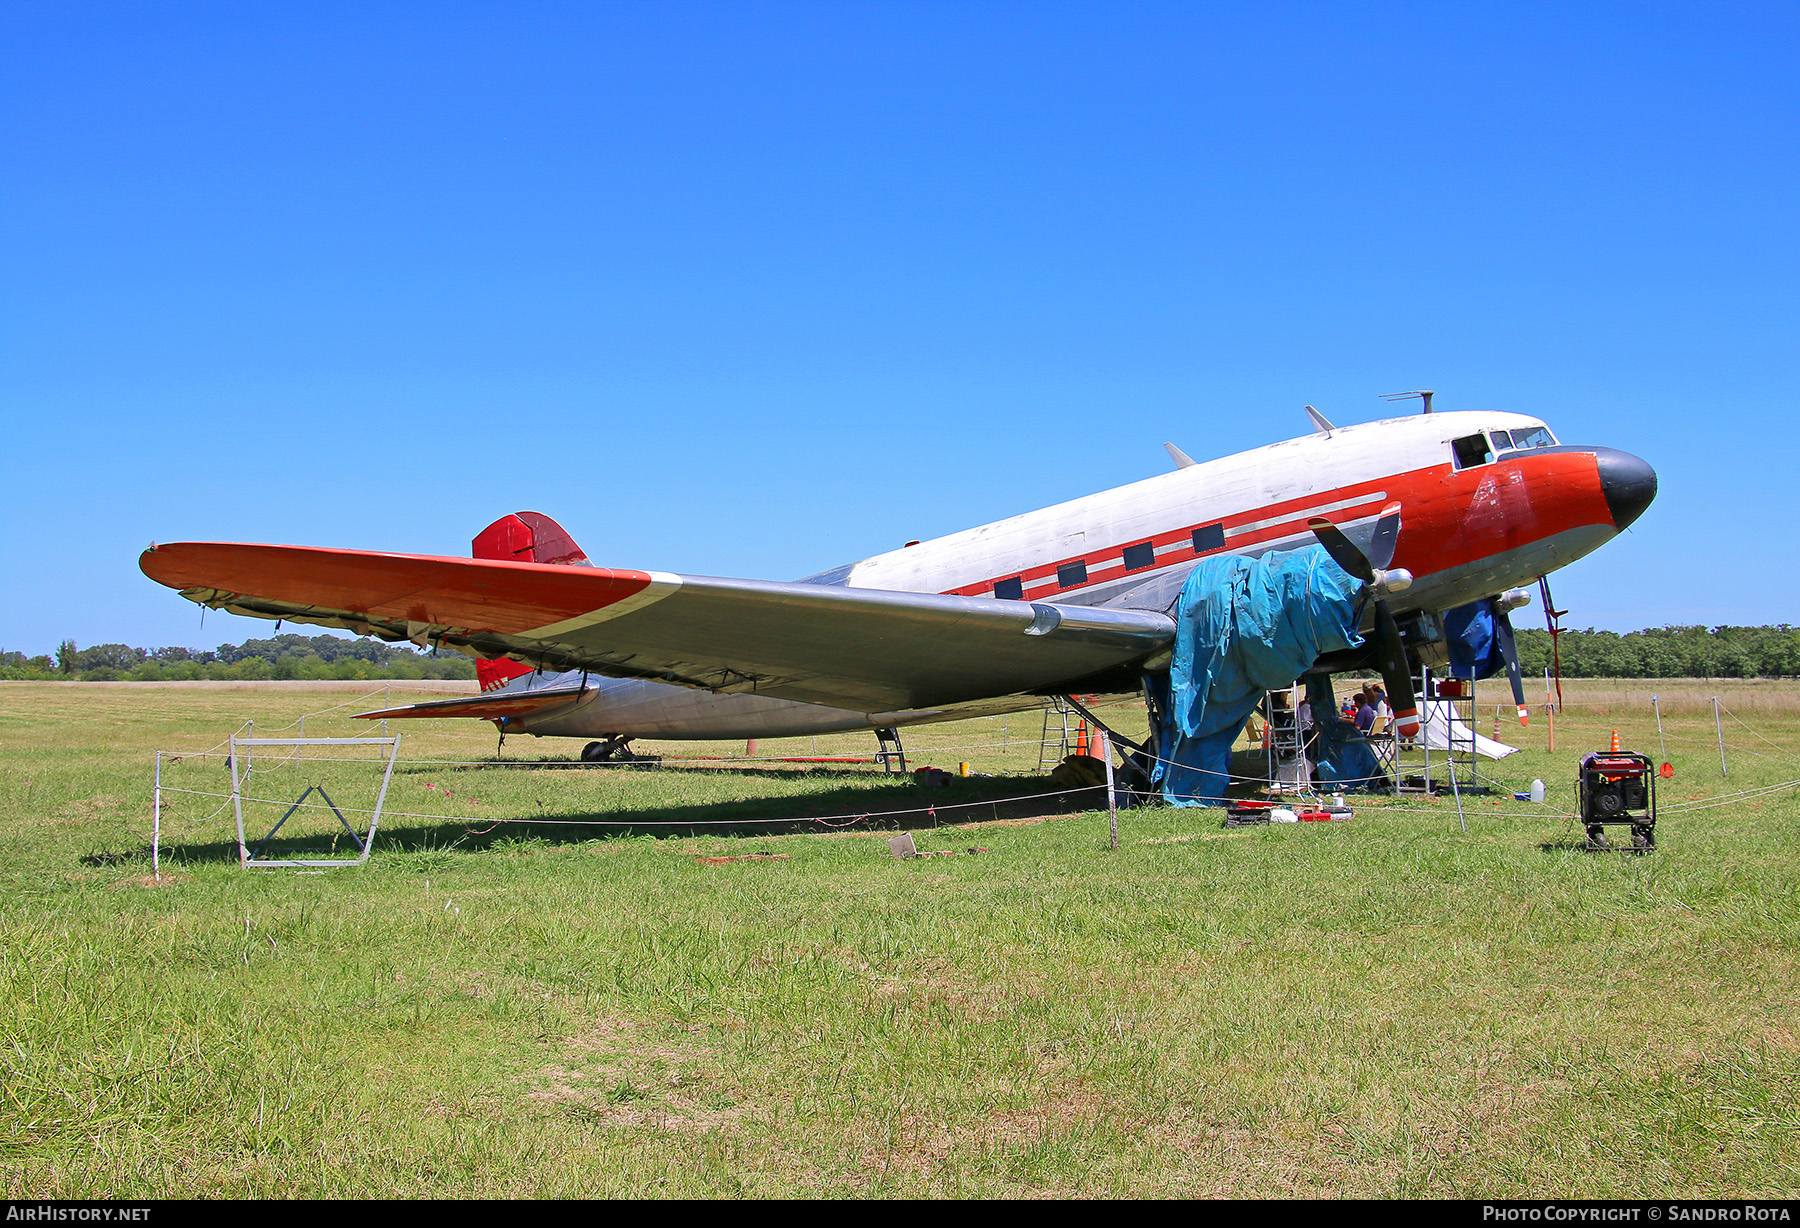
(365, 841)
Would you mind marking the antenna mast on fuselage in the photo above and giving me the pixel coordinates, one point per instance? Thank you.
(1424, 394)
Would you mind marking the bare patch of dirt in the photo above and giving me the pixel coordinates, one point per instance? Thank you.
(637, 1076)
(149, 881)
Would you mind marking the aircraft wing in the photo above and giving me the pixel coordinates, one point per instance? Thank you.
(868, 650)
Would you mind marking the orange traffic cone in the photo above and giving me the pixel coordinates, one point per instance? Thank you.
(1081, 739)
(1615, 743)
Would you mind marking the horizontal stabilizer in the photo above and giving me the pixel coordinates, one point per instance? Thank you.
(488, 707)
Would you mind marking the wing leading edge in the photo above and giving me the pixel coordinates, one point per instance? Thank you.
(867, 649)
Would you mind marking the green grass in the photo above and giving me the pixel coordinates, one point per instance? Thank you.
(1384, 1007)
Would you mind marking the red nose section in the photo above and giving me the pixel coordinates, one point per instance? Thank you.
(523, 537)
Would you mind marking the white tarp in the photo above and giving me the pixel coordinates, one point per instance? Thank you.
(1440, 726)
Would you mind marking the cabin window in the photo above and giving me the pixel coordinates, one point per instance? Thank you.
(1139, 556)
(1470, 451)
(1071, 574)
(1010, 590)
(1209, 537)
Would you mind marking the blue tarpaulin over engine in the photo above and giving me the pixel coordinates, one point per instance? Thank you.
(1243, 627)
(1474, 648)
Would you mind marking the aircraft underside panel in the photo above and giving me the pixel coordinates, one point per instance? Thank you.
(633, 708)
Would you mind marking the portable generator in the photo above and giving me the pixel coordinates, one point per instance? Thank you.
(1618, 789)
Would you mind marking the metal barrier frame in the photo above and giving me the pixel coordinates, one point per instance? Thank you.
(366, 841)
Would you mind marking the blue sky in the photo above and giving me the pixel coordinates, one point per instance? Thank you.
(755, 289)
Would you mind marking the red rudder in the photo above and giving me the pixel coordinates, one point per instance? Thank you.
(523, 537)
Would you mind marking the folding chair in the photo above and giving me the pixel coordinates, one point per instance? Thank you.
(1381, 745)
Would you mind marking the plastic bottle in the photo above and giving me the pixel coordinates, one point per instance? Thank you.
(1537, 791)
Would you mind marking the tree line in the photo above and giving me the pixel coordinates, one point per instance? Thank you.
(309, 658)
(1667, 652)
(1658, 652)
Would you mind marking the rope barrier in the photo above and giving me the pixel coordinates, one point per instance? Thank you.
(1734, 716)
(1708, 803)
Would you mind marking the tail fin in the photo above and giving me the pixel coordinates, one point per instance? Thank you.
(523, 537)
(528, 537)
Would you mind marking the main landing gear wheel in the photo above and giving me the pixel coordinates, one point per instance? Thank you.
(602, 752)
(617, 750)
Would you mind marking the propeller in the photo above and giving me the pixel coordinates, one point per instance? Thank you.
(1503, 634)
(1378, 582)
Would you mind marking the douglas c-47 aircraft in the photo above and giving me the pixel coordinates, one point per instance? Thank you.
(1431, 512)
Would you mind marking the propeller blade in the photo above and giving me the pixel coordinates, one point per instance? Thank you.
(1503, 632)
(1387, 536)
(1390, 658)
(1342, 550)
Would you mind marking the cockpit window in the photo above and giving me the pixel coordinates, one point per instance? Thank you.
(1502, 440)
(1470, 451)
(1531, 437)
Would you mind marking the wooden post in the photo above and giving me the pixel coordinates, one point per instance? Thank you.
(1550, 716)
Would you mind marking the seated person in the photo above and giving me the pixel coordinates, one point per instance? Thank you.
(1365, 712)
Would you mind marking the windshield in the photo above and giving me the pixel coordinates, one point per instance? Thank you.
(1524, 437)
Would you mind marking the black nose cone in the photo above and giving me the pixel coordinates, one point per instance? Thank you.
(1628, 483)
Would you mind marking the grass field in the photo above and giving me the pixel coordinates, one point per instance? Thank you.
(1381, 1007)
